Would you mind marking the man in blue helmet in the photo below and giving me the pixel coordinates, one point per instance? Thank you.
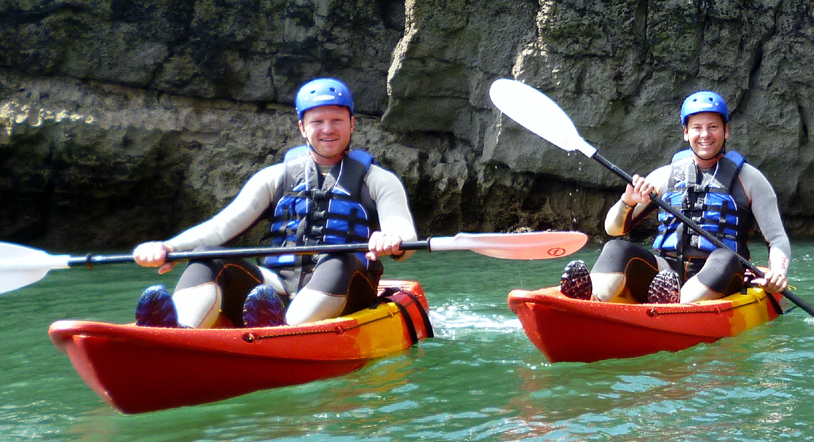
(720, 192)
(322, 193)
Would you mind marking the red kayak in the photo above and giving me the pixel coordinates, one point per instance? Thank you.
(141, 369)
(573, 330)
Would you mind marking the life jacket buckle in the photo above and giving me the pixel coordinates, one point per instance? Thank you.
(319, 194)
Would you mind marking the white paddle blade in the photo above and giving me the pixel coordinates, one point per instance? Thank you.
(536, 112)
(529, 245)
(21, 266)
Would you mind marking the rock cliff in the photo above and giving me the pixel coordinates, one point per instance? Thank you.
(128, 120)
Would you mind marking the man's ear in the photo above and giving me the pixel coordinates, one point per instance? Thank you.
(302, 128)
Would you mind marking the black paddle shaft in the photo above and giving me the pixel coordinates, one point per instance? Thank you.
(91, 260)
(689, 222)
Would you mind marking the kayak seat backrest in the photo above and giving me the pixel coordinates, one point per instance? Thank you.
(387, 295)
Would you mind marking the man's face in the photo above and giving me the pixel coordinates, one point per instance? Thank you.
(706, 133)
(328, 129)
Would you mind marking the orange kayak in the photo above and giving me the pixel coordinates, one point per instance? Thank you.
(573, 330)
(141, 369)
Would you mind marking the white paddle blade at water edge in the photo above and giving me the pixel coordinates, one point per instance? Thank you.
(536, 112)
(528, 245)
(21, 266)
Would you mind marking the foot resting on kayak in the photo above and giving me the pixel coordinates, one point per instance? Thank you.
(576, 281)
(665, 288)
(156, 309)
(263, 308)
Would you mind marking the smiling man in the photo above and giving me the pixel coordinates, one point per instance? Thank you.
(322, 193)
(327, 129)
(720, 192)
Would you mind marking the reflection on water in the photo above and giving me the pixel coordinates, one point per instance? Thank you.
(479, 379)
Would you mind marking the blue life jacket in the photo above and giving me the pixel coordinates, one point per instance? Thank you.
(712, 204)
(339, 211)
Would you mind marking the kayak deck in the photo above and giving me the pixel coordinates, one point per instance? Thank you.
(141, 369)
(573, 330)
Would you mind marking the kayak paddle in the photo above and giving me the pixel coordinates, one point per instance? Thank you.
(541, 115)
(21, 266)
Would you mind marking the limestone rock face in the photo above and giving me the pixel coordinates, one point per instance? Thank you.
(124, 121)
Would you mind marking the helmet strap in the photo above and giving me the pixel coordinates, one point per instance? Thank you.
(311, 148)
(719, 154)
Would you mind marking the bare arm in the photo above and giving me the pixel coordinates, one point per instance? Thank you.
(635, 204)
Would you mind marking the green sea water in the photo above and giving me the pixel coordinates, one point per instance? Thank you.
(479, 379)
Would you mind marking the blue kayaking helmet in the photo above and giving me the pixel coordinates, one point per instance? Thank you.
(703, 101)
(322, 92)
